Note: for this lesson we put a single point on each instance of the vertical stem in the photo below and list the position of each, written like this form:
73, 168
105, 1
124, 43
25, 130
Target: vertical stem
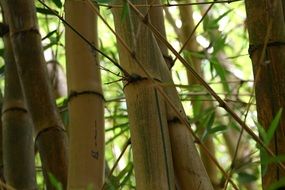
86, 101
146, 109
266, 30
31, 67
18, 144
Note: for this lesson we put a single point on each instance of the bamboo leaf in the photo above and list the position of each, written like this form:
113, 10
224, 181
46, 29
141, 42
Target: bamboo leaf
129, 174
125, 11
55, 182
222, 16
221, 73
104, 1
273, 126
275, 159
261, 131
2, 70
125, 171
46, 11
58, 3
244, 177
218, 128
2, 52
49, 34
49, 45
277, 185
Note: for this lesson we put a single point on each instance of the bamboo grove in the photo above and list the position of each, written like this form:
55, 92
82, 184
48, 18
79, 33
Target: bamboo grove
142, 94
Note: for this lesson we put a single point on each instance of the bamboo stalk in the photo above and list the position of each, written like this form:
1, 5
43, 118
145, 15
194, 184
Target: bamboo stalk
192, 46
266, 28
149, 132
31, 67
18, 145
187, 159
86, 101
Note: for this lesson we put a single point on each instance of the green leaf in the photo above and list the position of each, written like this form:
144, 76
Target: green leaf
125, 11
221, 73
2, 70
103, 1
129, 174
222, 15
210, 120
209, 24
2, 52
273, 126
219, 42
119, 126
277, 185
261, 131
244, 177
264, 159
46, 11
112, 184
49, 34
208, 123
49, 45
213, 24
55, 182
197, 105
275, 159
218, 128
117, 135
58, 3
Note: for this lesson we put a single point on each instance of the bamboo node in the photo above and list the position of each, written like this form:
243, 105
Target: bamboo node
56, 128
252, 48
25, 30
173, 120
15, 109
74, 94
132, 78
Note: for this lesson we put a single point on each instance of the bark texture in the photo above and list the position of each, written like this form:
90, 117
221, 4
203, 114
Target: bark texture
148, 123
18, 144
189, 170
86, 101
266, 28
31, 67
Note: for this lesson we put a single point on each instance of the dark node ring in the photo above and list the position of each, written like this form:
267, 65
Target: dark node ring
132, 78
56, 128
174, 120
252, 48
74, 94
136, 78
25, 31
19, 109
